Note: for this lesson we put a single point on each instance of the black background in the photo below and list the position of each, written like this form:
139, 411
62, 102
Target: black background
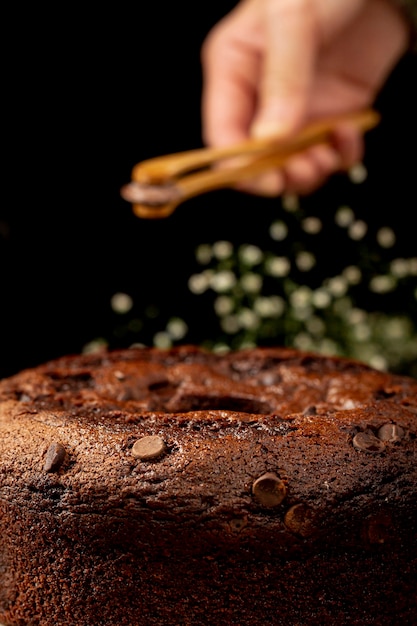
89, 94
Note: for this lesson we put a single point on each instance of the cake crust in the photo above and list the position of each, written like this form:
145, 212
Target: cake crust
179, 486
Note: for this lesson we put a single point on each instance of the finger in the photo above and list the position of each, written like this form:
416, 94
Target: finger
306, 172
302, 174
288, 66
349, 142
230, 63
269, 184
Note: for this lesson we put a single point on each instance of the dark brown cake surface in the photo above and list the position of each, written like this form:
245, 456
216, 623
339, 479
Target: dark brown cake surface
184, 487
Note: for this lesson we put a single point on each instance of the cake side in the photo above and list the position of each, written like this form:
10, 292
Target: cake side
218, 486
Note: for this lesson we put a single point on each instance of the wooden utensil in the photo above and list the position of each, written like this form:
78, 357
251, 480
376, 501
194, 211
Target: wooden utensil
160, 184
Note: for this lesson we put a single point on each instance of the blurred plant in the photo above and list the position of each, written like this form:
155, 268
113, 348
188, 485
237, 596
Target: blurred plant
260, 297
301, 292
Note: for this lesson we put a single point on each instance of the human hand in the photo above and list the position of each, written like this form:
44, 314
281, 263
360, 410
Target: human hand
271, 66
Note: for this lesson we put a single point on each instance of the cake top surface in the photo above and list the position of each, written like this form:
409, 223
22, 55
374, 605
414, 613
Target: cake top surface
260, 381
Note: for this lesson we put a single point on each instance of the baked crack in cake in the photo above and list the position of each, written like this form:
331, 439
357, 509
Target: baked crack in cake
184, 487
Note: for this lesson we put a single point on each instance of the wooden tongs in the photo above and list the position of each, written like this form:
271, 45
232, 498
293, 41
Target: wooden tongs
158, 185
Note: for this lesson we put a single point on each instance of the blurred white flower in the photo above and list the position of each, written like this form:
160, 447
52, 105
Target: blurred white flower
204, 253
356, 316
301, 297
303, 341
290, 202
305, 261
312, 225
382, 284
361, 331
278, 266
357, 230
223, 305
328, 346
337, 286
222, 281
342, 306
378, 361
248, 319
222, 250
251, 255
399, 267
251, 283
121, 303
246, 343
278, 230
353, 274
177, 328
396, 328
321, 298
95, 346
221, 348
412, 264
315, 326
344, 216
272, 306
162, 340
358, 173
199, 283
302, 313
385, 237
230, 324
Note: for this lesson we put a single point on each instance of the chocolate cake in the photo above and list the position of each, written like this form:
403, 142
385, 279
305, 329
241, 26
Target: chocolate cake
184, 487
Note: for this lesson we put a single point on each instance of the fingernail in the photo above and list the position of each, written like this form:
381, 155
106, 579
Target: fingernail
264, 129
278, 119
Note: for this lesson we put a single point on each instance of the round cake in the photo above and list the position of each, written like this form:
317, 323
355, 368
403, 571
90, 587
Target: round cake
184, 487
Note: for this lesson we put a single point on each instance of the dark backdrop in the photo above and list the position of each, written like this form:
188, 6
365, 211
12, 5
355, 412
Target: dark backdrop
87, 96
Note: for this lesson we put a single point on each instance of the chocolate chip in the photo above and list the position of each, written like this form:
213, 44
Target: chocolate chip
149, 448
368, 442
55, 457
379, 529
390, 432
299, 519
310, 410
269, 490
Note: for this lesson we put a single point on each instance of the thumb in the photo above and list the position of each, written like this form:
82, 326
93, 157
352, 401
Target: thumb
289, 58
